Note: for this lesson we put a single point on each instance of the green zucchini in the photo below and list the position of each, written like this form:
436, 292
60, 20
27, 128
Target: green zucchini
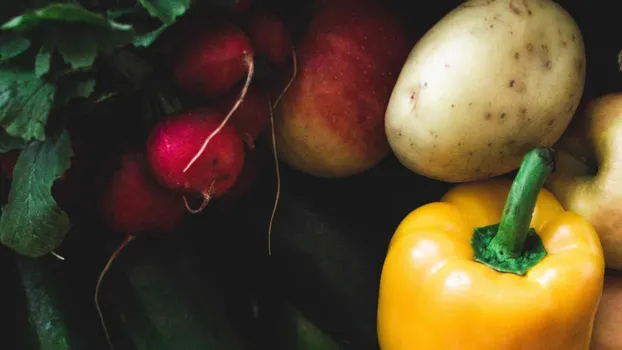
161, 303
329, 241
48, 318
290, 329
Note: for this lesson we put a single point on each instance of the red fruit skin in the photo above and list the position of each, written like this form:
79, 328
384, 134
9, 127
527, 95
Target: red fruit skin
242, 6
245, 181
175, 141
320, 4
7, 163
213, 61
133, 202
269, 36
330, 122
251, 117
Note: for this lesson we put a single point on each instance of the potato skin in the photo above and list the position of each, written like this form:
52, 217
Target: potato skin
491, 80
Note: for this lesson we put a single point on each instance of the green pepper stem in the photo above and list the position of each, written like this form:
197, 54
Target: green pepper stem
514, 226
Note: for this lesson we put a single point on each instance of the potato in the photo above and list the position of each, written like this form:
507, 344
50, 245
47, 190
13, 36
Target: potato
488, 82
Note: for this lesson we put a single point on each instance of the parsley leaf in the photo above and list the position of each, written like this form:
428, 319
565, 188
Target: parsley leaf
32, 223
25, 103
78, 34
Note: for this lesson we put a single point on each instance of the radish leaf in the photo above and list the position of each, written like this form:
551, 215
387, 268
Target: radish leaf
78, 34
166, 11
12, 46
9, 143
77, 89
32, 223
25, 103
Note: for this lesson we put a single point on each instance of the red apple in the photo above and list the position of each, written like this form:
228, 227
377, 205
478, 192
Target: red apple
330, 123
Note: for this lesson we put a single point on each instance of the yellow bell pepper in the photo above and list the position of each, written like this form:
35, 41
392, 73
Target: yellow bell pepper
494, 265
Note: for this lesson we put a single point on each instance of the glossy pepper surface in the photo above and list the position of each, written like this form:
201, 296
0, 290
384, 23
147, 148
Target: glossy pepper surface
494, 264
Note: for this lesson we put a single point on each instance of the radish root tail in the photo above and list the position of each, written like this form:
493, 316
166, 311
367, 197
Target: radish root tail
291, 80
206, 199
249, 77
113, 257
278, 180
59, 257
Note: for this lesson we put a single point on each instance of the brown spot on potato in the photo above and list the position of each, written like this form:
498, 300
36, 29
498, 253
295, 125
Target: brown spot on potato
459, 144
433, 134
545, 48
564, 43
399, 134
548, 65
491, 26
512, 83
452, 106
502, 116
574, 38
550, 122
489, 144
522, 110
470, 103
488, 116
516, 55
514, 8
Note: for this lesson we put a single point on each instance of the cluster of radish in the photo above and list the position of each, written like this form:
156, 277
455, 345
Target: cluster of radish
204, 152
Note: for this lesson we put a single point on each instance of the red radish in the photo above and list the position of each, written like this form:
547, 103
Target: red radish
7, 163
133, 203
174, 141
246, 179
242, 5
269, 36
210, 64
251, 117
213, 60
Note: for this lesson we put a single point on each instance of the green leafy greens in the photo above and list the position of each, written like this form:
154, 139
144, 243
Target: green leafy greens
32, 223
51, 53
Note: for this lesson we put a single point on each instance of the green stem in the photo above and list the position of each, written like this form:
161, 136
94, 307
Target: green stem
518, 211
512, 245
